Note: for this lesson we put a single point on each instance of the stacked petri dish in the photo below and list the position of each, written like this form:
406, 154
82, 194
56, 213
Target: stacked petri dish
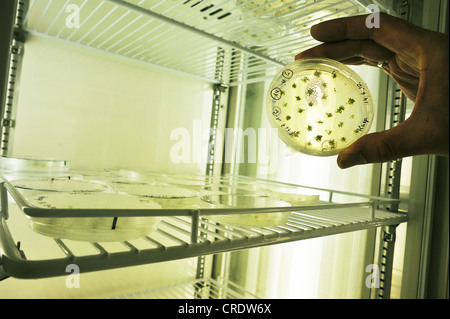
82, 195
239, 217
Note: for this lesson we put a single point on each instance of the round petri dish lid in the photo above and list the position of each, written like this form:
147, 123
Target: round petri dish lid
32, 164
267, 9
244, 201
156, 191
184, 182
91, 201
59, 185
319, 106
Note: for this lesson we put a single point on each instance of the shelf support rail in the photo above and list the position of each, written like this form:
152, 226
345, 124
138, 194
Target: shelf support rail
195, 218
386, 262
3, 201
8, 105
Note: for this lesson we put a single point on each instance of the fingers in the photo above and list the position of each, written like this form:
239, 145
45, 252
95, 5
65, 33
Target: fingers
412, 137
394, 33
372, 148
350, 28
348, 49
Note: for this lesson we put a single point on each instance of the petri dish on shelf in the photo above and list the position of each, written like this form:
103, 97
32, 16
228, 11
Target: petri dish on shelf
59, 185
19, 164
25, 174
295, 199
248, 201
93, 228
319, 106
266, 9
155, 191
166, 196
195, 185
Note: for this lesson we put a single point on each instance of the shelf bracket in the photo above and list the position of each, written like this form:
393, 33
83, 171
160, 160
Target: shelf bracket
218, 116
3, 201
195, 218
386, 261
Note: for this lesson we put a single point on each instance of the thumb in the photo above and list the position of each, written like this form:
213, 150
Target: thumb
379, 147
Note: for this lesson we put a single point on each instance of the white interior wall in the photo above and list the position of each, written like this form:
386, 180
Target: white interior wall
101, 111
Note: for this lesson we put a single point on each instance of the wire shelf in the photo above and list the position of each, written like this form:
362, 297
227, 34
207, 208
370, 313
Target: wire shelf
182, 233
228, 42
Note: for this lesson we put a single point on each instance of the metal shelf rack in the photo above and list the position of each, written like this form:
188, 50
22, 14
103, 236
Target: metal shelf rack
228, 41
182, 233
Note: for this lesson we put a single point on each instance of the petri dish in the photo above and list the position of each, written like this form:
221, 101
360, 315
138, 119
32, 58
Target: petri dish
93, 228
32, 186
166, 196
32, 164
248, 201
319, 106
155, 191
295, 199
266, 9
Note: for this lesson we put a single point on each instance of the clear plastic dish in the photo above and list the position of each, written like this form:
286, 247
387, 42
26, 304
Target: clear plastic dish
166, 196
319, 106
155, 191
18, 164
58, 184
92, 228
266, 9
294, 199
247, 201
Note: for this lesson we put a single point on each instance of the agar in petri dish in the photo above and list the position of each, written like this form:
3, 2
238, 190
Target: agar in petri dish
247, 201
156, 191
75, 200
265, 8
319, 106
93, 228
52, 184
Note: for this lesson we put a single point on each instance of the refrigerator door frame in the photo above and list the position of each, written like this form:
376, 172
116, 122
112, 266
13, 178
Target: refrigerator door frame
427, 203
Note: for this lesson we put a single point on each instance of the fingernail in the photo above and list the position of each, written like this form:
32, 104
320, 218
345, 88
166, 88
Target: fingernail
349, 160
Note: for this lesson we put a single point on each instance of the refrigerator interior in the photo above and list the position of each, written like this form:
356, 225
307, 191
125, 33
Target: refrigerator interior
139, 86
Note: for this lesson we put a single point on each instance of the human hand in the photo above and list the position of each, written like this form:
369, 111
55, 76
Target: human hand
417, 59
